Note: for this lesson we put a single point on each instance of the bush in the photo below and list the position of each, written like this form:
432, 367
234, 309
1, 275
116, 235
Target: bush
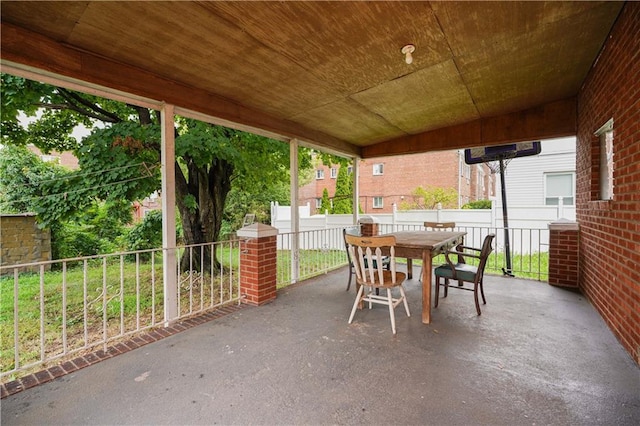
479, 204
71, 240
146, 234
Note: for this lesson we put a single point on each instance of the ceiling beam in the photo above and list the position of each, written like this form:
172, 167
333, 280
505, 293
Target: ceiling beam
552, 120
23, 48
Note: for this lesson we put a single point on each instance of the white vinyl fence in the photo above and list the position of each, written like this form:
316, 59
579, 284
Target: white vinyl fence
528, 225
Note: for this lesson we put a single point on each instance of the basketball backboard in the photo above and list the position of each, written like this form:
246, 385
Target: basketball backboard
495, 153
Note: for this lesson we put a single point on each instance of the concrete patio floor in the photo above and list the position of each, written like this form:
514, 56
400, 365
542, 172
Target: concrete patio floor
537, 355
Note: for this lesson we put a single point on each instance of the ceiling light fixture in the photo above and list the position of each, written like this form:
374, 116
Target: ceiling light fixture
407, 51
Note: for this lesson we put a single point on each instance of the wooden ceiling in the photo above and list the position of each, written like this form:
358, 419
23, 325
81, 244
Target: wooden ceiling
330, 74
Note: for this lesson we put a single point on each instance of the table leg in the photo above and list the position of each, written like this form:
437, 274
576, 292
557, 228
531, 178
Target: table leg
409, 268
426, 286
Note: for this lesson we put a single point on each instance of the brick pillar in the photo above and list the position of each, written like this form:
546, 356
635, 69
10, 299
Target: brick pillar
368, 226
563, 253
258, 263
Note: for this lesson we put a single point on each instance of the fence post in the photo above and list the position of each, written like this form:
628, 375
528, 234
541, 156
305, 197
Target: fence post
258, 263
563, 253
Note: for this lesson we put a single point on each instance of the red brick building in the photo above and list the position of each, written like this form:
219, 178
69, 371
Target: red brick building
386, 181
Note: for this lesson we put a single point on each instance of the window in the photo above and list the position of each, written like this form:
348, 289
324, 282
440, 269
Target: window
318, 203
378, 203
378, 169
334, 173
605, 135
319, 174
50, 158
559, 185
466, 171
349, 170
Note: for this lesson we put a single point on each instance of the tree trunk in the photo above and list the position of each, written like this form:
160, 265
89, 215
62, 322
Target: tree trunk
202, 221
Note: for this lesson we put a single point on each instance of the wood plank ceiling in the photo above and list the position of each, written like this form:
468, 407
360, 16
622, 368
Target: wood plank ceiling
331, 73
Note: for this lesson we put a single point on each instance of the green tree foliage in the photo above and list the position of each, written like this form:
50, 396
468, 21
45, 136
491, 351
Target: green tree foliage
478, 204
147, 234
343, 198
325, 204
25, 180
428, 198
120, 159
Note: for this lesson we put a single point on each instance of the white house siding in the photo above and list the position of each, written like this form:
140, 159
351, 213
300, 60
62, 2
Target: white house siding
524, 177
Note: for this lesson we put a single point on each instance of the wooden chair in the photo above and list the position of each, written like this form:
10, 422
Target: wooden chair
367, 254
355, 230
438, 226
463, 272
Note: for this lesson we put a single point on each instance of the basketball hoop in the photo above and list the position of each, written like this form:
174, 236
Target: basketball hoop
494, 164
497, 158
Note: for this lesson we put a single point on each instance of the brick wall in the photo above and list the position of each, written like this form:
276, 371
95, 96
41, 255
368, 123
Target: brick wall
610, 230
21, 241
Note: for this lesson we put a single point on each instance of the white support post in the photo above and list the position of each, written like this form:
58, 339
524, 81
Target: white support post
169, 263
295, 222
356, 190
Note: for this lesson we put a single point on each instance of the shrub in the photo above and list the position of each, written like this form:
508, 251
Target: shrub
479, 204
146, 234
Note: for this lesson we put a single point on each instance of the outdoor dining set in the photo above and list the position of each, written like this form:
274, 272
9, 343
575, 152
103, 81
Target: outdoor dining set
372, 260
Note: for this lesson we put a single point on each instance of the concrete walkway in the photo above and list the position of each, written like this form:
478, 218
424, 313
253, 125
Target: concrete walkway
538, 355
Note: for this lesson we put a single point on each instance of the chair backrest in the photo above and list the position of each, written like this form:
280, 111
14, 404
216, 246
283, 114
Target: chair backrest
368, 253
353, 230
440, 226
486, 250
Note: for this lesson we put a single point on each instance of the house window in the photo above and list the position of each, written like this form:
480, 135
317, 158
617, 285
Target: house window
378, 203
50, 158
318, 203
334, 173
349, 170
559, 185
605, 135
378, 169
319, 174
466, 171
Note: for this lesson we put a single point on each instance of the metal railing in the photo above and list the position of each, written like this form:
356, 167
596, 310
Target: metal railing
321, 251
51, 310
56, 309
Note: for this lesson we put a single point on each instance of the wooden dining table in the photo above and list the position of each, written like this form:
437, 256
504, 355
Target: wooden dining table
425, 245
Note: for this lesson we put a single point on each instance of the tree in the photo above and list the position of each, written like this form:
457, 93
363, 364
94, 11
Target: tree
120, 159
428, 198
325, 204
342, 200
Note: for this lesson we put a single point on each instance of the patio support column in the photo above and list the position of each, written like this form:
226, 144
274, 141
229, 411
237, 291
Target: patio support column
356, 189
169, 264
295, 222
563, 253
258, 263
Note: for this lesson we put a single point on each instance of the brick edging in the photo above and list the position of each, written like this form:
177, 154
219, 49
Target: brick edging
154, 335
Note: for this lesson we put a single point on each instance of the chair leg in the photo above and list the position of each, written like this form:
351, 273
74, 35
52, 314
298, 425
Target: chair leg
350, 277
391, 311
446, 287
355, 304
437, 291
475, 296
404, 299
484, 301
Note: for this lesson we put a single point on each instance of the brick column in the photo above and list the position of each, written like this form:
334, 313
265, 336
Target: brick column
563, 253
368, 226
258, 263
